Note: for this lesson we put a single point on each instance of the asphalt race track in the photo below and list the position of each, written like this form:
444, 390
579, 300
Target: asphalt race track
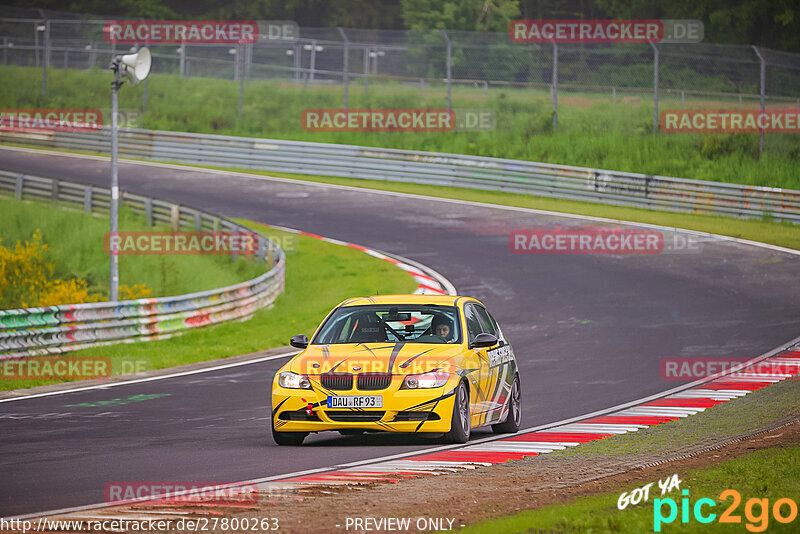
589, 332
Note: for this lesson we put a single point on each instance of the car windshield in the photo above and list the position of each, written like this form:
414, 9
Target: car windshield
426, 323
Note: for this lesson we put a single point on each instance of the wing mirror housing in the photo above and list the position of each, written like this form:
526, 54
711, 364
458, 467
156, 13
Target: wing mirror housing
483, 340
300, 341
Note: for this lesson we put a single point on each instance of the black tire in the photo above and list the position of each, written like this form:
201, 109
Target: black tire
514, 418
460, 426
288, 438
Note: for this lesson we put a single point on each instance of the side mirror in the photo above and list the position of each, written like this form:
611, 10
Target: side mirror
483, 340
300, 341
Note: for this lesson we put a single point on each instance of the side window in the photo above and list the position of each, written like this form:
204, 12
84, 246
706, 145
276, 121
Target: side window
487, 323
473, 323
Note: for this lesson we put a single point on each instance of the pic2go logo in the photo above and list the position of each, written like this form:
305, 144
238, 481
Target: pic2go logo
756, 511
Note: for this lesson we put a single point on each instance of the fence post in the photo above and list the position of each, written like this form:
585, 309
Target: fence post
613, 95
144, 95
345, 67
46, 58
18, 186
175, 217
36, 44
421, 89
182, 67
148, 211
297, 62
262, 248
198, 222
655, 87
486, 88
554, 86
87, 199
366, 69
313, 61
763, 92
54, 190
449, 67
240, 70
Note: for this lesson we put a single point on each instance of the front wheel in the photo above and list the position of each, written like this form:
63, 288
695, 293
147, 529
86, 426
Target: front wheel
460, 427
514, 419
288, 438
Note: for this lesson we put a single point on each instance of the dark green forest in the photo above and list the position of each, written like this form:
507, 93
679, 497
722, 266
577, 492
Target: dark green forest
769, 23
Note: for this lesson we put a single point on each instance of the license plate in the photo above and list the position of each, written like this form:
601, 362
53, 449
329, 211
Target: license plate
355, 401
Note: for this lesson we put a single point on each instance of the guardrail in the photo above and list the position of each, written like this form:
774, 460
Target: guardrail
56, 329
542, 179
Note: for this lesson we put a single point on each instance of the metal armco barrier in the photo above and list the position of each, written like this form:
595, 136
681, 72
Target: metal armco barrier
56, 329
495, 174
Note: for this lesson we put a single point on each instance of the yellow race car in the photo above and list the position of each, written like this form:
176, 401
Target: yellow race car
399, 363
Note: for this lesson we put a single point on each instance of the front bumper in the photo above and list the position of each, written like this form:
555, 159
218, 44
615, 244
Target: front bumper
404, 410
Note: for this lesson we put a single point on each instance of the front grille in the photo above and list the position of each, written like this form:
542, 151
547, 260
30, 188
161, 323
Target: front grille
416, 416
337, 381
373, 381
344, 416
298, 415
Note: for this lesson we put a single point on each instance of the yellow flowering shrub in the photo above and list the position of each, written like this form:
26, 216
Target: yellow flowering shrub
26, 279
136, 291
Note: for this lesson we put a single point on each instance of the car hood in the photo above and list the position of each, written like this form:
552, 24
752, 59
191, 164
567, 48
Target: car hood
395, 358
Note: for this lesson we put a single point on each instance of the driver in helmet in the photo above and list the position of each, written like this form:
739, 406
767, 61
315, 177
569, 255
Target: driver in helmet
442, 326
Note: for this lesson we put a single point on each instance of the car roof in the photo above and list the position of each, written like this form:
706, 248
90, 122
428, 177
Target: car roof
441, 300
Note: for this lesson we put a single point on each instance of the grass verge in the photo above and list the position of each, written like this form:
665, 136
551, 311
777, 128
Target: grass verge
592, 131
75, 243
768, 475
765, 474
319, 275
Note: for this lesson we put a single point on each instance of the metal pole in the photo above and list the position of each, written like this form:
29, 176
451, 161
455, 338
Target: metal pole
114, 271
366, 69
655, 88
313, 58
182, 67
555, 86
449, 67
144, 95
763, 92
46, 58
36, 42
298, 51
240, 61
345, 68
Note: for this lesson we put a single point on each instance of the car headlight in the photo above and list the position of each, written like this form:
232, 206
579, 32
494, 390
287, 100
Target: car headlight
292, 380
433, 379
